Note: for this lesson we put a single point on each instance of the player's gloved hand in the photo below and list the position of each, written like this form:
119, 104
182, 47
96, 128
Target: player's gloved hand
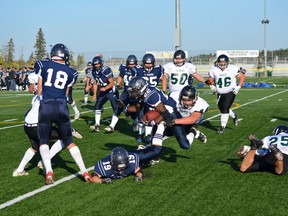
138, 178
170, 122
213, 88
236, 89
81, 81
255, 142
208, 82
106, 181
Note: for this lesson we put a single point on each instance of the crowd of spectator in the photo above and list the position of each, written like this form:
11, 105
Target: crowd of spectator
12, 79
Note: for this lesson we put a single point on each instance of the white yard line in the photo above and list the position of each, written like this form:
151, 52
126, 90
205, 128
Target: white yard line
46, 187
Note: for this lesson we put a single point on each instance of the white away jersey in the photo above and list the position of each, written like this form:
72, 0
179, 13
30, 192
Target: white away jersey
280, 140
31, 116
33, 78
200, 106
178, 76
225, 80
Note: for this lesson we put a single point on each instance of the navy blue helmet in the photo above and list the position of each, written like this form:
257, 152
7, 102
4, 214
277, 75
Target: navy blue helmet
137, 87
60, 52
131, 59
119, 158
280, 129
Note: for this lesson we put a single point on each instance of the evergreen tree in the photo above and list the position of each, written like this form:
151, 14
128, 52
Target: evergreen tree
10, 50
80, 62
40, 46
31, 60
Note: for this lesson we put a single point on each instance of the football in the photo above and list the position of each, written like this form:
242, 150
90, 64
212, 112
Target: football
243, 150
150, 116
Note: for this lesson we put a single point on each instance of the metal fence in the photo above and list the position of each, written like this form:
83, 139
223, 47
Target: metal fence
276, 65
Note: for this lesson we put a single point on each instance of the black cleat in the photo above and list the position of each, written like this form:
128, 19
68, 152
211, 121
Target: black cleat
235, 120
221, 130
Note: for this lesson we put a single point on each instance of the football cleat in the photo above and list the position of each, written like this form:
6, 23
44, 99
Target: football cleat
87, 177
76, 134
84, 103
278, 154
235, 120
221, 130
140, 147
202, 137
16, 174
135, 127
109, 129
95, 128
199, 135
148, 139
41, 166
243, 151
154, 161
140, 138
49, 179
77, 116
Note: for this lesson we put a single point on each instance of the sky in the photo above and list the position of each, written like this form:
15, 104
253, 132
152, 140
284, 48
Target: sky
96, 26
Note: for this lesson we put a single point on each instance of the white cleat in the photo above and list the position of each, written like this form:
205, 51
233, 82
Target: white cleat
16, 174
76, 134
77, 116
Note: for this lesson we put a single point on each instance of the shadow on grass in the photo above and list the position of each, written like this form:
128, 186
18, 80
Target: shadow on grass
234, 163
57, 162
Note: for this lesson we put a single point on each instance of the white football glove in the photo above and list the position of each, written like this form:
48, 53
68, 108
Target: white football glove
236, 89
213, 88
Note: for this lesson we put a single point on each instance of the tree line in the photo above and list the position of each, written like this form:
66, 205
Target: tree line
7, 54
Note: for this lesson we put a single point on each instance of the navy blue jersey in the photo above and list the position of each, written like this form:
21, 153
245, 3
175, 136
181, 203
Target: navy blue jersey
153, 96
126, 73
102, 76
104, 168
152, 77
56, 77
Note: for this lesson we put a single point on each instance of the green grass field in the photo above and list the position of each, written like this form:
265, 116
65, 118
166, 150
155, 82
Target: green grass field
204, 180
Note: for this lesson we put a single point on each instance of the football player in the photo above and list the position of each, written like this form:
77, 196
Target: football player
55, 77
225, 75
276, 160
120, 164
151, 97
88, 72
126, 73
103, 87
31, 129
180, 73
153, 74
191, 107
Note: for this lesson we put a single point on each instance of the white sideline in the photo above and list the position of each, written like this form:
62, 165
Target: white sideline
46, 187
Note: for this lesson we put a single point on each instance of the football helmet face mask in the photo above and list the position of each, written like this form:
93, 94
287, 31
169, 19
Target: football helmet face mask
280, 129
148, 61
97, 62
60, 52
131, 61
119, 158
222, 61
188, 97
179, 58
137, 87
